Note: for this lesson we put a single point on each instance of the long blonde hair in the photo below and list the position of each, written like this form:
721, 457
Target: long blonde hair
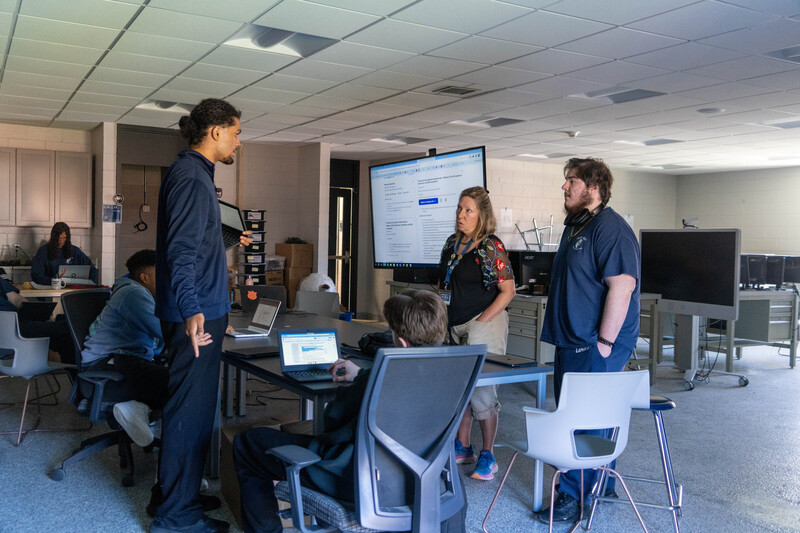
487, 223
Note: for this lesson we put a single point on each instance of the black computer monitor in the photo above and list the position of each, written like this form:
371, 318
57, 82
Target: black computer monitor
791, 269
775, 267
532, 269
756, 270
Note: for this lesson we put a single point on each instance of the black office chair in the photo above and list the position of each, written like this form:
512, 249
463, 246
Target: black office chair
95, 391
406, 474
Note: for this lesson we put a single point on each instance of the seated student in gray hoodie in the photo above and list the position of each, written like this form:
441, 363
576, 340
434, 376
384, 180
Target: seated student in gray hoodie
125, 337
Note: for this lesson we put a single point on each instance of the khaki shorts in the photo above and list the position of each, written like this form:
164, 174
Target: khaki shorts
484, 403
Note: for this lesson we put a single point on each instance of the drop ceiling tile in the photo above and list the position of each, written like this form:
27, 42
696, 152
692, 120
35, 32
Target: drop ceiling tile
64, 32
420, 100
38, 80
28, 101
309, 68
269, 95
359, 55
545, 29
561, 85
157, 46
83, 96
46, 68
20, 113
257, 60
382, 8
551, 108
8, 6
510, 97
398, 35
467, 16
148, 64
299, 110
179, 96
54, 52
501, 76
156, 119
620, 43
619, 12
183, 26
333, 124
102, 87
616, 73
776, 7
315, 19
99, 13
758, 116
725, 91
395, 80
766, 37
210, 88
483, 50
363, 93
383, 110
762, 101
83, 116
435, 67
239, 11
235, 76
125, 77
701, 20
330, 102
84, 107
252, 108
552, 61
743, 68
472, 109
296, 84
783, 81
685, 56
46, 93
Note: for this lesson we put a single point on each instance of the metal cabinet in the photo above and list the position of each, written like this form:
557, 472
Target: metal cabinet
525, 319
8, 165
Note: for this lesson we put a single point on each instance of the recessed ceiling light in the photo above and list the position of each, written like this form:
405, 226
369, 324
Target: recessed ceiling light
617, 95
535, 156
163, 105
263, 38
710, 110
486, 122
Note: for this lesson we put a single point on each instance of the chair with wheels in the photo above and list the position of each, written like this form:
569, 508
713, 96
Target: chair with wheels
28, 358
405, 471
317, 302
95, 391
589, 401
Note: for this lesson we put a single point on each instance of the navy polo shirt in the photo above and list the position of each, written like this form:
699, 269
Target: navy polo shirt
605, 247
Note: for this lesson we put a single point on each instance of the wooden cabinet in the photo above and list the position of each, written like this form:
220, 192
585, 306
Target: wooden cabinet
73, 202
35, 187
53, 186
7, 186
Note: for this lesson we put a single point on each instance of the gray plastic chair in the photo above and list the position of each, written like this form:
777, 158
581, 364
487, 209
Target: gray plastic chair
29, 361
406, 475
317, 302
589, 400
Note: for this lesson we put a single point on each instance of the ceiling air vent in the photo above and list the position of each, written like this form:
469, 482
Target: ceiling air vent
618, 95
454, 90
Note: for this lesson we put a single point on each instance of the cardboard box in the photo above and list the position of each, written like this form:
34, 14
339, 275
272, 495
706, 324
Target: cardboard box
293, 276
297, 255
273, 277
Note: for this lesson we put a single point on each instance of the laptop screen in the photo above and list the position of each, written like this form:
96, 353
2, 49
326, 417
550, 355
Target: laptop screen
230, 216
74, 271
304, 349
265, 314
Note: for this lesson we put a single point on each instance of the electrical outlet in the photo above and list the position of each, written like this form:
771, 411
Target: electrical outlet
145, 208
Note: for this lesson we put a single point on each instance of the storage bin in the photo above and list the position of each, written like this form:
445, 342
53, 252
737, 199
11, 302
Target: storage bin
254, 225
253, 214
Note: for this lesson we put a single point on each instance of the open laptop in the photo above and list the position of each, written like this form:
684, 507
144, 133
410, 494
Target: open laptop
232, 224
262, 322
306, 354
513, 361
252, 294
75, 274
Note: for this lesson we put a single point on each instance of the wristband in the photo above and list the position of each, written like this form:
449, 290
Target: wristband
607, 342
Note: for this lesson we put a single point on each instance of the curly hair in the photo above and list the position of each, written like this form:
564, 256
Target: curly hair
487, 223
52, 244
139, 261
419, 317
593, 172
207, 114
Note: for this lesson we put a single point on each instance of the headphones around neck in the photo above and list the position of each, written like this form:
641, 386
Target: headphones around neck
583, 216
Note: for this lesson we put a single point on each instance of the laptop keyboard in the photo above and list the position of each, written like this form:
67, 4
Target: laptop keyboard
231, 239
314, 372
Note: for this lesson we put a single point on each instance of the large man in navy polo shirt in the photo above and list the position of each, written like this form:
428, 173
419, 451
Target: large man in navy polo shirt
592, 312
192, 303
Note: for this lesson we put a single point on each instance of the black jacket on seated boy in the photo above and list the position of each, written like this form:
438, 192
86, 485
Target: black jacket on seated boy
425, 325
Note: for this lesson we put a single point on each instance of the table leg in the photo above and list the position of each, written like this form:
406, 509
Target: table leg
241, 392
730, 330
227, 390
538, 466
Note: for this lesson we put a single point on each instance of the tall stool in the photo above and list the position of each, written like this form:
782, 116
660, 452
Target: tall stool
658, 404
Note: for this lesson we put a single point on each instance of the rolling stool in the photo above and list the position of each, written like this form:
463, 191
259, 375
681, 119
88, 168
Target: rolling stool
658, 404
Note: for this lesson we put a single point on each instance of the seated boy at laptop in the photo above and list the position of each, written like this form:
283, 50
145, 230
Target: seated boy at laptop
125, 337
57, 331
417, 318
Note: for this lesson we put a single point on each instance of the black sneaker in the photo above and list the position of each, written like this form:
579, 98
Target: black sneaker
209, 503
565, 509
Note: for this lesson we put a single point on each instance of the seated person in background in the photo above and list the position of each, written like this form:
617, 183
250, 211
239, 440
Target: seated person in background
416, 318
57, 331
58, 251
125, 337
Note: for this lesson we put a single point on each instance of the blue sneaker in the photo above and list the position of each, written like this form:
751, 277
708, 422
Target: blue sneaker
486, 467
464, 455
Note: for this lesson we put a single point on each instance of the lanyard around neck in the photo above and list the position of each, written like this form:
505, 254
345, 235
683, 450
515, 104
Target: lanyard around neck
455, 258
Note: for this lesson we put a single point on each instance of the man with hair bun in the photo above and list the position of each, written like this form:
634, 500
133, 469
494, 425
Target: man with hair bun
192, 303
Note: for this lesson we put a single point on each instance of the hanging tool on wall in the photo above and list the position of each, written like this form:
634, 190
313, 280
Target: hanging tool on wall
143, 208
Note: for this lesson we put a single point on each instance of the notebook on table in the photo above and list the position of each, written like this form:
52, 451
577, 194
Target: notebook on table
232, 224
262, 321
306, 354
513, 361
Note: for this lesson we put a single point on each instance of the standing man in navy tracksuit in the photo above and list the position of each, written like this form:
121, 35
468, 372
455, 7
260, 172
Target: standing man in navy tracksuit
192, 303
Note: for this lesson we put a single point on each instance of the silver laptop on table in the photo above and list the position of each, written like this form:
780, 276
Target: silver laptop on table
262, 321
306, 354
75, 274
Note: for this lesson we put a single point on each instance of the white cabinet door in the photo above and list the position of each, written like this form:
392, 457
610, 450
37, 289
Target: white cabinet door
35, 187
7, 186
73, 201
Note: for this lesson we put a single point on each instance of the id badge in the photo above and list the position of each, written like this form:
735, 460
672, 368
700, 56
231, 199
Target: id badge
445, 296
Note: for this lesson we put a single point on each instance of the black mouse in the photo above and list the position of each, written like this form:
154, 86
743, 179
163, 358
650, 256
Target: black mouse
236, 306
341, 371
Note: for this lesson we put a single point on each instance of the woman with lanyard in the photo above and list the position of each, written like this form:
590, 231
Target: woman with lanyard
477, 283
